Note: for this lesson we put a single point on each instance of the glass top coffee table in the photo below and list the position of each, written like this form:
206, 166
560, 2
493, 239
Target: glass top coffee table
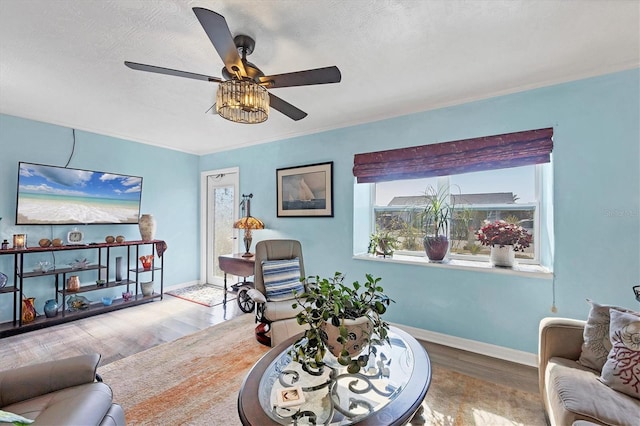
389, 390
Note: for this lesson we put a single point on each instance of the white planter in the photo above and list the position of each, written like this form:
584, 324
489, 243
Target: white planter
147, 225
359, 331
503, 256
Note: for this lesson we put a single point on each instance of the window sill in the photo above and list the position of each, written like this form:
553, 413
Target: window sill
524, 270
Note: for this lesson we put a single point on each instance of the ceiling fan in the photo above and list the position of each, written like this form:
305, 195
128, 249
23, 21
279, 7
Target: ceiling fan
242, 95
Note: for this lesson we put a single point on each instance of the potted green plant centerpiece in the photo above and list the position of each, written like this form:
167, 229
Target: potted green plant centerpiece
435, 218
505, 239
343, 319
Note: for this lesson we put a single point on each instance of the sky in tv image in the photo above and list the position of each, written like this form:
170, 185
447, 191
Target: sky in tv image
57, 195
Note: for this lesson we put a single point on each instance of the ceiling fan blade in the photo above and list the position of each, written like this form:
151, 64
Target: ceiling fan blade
217, 29
303, 78
286, 108
169, 71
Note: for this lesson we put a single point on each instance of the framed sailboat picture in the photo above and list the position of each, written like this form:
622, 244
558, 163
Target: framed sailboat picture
305, 191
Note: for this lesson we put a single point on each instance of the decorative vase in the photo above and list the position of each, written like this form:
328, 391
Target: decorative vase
358, 332
147, 288
118, 269
3, 280
51, 308
147, 225
503, 256
28, 309
147, 262
436, 247
73, 283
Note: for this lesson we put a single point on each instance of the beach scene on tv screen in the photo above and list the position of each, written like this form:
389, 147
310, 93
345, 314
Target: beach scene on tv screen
50, 195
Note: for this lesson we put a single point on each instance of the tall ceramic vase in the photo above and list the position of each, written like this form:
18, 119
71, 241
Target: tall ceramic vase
147, 226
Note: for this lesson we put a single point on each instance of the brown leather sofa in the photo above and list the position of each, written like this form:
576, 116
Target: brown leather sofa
572, 394
61, 392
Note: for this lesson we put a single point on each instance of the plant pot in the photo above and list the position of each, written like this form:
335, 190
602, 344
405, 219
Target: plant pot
436, 247
358, 333
503, 256
385, 247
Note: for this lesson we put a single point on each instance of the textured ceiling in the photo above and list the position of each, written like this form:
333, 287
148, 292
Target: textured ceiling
61, 61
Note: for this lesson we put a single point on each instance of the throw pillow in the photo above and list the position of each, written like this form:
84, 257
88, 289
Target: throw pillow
622, 369
596, 345
281, 277
7, 417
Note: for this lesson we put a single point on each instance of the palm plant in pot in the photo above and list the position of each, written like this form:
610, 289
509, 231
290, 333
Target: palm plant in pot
342, 319
435, 218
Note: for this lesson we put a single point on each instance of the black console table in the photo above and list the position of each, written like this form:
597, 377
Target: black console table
128, 282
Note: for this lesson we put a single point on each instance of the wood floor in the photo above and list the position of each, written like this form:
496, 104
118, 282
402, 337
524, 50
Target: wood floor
121, 333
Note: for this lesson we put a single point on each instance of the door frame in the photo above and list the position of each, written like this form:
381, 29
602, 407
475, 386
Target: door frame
204, 205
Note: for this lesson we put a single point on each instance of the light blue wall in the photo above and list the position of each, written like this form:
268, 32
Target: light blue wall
170, 192
596, 202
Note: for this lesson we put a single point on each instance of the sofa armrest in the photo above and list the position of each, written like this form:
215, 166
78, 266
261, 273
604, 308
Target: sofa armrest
27, 382
558, 337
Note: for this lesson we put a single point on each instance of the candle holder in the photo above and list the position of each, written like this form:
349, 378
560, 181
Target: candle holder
19, 241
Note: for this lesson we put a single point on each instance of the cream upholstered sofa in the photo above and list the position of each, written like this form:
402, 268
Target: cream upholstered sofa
61, 392
572, 394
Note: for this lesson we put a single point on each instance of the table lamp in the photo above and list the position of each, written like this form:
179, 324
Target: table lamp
248, 223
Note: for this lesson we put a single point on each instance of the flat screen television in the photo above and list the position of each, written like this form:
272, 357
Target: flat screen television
51, 195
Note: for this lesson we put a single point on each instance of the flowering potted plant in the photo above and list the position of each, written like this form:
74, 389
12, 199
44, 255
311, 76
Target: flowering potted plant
504, 239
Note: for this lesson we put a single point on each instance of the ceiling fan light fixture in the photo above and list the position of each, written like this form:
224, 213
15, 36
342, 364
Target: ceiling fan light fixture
242, 101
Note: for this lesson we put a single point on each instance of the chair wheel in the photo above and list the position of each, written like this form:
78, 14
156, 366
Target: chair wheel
245, 302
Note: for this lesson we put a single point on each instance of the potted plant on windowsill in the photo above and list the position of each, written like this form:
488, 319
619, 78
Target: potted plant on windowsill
383, 243
435, 218
504, 239
342, 319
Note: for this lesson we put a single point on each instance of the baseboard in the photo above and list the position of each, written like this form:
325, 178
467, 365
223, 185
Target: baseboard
494, 351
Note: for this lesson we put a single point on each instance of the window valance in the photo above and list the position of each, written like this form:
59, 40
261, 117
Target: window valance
456, 157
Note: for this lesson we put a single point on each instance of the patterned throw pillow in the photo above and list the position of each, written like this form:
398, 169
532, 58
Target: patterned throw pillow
596, 344
622, 369
281, 277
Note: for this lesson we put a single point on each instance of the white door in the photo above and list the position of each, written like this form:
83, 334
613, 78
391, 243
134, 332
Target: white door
221, 201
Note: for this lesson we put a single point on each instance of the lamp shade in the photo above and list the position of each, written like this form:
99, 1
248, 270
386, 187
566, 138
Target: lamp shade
242, 101
248, 222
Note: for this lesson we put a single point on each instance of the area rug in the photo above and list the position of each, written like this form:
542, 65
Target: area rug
195, 381
203, 294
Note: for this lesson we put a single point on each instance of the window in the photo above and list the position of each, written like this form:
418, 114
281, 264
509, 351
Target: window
506, 177
509, 194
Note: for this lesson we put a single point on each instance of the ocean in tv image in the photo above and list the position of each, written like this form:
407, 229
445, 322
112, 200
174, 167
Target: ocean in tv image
58, 195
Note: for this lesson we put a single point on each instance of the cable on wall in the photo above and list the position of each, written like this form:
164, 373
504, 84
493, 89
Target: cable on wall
554, 309
73, 148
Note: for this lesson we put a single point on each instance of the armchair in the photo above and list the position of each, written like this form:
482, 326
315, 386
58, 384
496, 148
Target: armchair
273, 307
61, 392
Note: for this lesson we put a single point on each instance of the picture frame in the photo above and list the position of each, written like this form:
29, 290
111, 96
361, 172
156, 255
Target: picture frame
305, 191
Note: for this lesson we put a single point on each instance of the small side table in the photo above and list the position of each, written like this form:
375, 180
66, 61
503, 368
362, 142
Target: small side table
239, 266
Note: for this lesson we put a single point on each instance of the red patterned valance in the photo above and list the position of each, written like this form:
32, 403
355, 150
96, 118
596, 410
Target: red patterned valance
450, 158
